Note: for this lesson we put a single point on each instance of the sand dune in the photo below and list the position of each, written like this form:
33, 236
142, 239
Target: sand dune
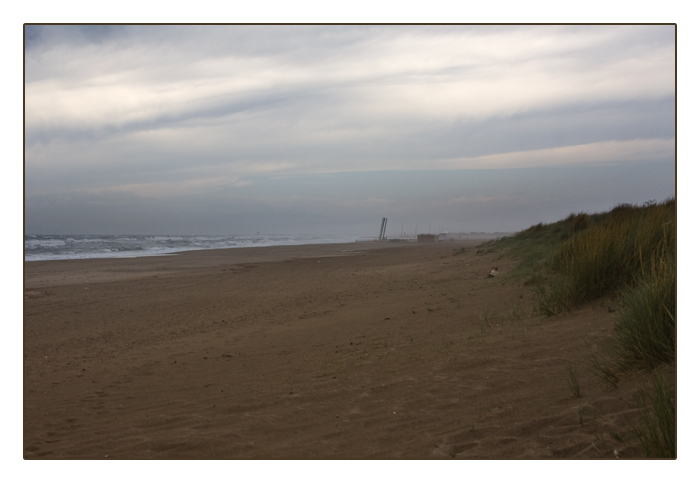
365, 350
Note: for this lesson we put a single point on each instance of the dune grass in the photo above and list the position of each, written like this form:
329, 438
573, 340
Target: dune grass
646, 325
629, 256
658, 418
535, 246
610, 256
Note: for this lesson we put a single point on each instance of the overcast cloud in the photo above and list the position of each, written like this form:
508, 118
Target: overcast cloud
326, 129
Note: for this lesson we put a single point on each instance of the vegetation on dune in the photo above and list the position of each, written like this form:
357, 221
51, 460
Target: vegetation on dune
611, 255
646, 325
658, 417
627, 255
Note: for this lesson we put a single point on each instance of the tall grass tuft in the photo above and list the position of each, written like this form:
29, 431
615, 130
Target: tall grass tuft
609, 256
645, 331
573, 381
658, 419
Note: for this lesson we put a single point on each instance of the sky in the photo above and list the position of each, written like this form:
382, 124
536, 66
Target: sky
325, 129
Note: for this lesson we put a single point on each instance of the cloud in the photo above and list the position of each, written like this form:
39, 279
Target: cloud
142, 78
201, 114
478, 199
586, 154
179, 188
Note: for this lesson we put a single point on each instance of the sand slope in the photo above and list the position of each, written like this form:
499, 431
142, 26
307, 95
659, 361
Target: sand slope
366, 350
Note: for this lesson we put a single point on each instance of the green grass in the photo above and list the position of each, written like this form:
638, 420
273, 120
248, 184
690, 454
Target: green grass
587, 257
608, 257
536, 246
602, 365
573, 381
627, 255
658, 418
646, 325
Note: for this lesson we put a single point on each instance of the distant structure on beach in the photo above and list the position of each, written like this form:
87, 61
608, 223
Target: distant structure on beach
382, 229
433, 238
428, 238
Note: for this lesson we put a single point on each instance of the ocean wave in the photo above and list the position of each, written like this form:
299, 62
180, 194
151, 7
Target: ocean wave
121, 246
34, 243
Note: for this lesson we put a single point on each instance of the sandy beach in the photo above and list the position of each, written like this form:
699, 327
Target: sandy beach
346, 351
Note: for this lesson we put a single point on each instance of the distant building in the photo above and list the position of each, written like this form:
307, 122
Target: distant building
428, 238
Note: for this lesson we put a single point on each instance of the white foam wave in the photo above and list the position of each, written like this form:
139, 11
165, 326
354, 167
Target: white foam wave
35, 243
122, 246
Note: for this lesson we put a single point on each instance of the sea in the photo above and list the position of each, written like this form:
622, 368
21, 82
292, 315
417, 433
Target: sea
67, 247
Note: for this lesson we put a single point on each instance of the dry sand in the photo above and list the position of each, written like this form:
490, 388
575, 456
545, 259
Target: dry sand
363, 350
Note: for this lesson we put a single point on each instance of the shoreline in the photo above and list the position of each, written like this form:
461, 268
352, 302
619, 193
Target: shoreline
116, 250
41, 273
